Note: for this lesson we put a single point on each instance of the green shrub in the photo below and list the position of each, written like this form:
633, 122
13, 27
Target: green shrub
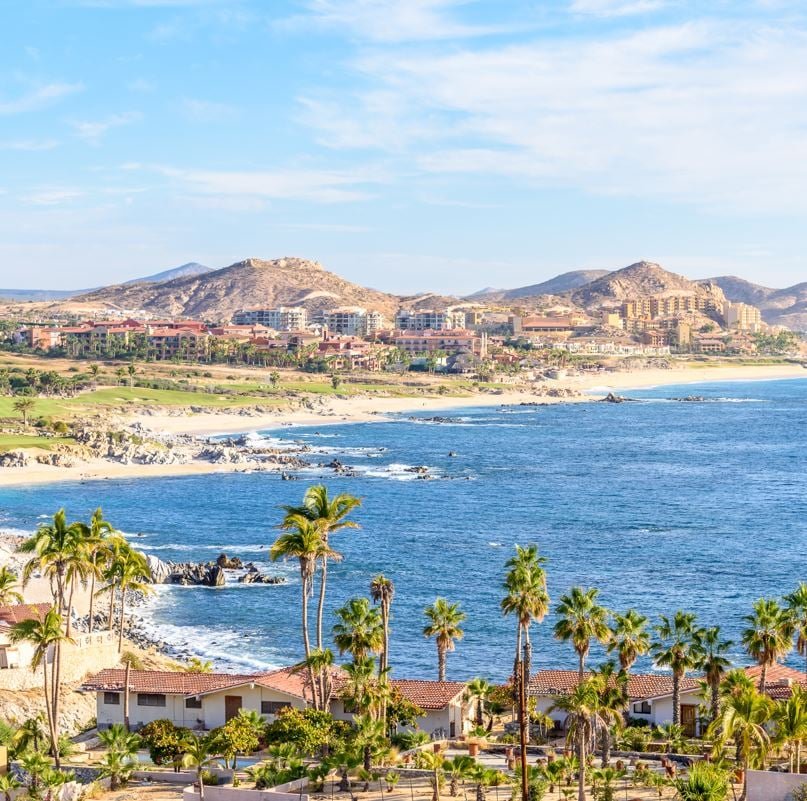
209, 778
165, 741
407, 740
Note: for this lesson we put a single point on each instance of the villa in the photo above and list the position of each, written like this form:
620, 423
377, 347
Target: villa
205, 701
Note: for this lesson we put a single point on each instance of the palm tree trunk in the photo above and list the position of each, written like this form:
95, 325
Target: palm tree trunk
744, 793
304, 580
56, 677
48, 702
763, 678
384, 661
441, 663
715, 702
605, 746
321, 602
92, 602
201, 784
70, 605
581, 667
798, 756
121, 620
581, 766
527, 652
111, 605
676, 699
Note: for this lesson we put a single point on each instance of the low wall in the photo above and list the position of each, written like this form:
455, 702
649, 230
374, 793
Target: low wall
766, 785
240, 794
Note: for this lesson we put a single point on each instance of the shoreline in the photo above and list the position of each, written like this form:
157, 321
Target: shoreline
363, 409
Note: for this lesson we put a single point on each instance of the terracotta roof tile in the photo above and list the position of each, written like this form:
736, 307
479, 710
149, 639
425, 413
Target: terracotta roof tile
429, 694
165, 681
17, 613
640, 685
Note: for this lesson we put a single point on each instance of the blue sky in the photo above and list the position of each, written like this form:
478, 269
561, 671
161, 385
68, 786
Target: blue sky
406, 144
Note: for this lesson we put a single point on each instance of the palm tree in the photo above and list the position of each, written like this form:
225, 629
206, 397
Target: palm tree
45, 634
769, 635
613, 702
434, 762
790, 719
582, 708
678, 650
742, 719
321, 662
119, 761
302, 541
460, 767
527, 598
382, 591
478, 691
581, 620
30, 734
199, 755
797, 605
133, 573
629, 638
197, 665
8, 587
444, 625
8, 784
96, 554
713, 663
359, 630
330, 515
24, 407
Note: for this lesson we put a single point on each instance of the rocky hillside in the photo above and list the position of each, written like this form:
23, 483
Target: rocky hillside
637, 280
191, 268
565, 282
779, 306
248, 284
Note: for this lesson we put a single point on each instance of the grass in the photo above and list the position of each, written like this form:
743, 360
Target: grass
10, 442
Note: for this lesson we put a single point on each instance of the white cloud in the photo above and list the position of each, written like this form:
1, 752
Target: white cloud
616, 8
319, 186
328, 228
94, 131
704, 113
39, 97
52, 197
31, 145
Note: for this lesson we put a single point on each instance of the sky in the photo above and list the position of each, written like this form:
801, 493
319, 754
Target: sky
408, 145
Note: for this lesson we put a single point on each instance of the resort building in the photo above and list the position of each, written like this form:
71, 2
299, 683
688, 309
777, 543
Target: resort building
667, 304
352, 321
204, 701
430, 320
416, 343
283, 318
565, 324
742, 316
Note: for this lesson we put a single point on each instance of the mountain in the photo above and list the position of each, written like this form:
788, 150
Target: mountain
786, 307
565, 282
35, 295
191, 268
252, 283
637, 280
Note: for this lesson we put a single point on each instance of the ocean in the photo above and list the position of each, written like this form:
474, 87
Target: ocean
661, 504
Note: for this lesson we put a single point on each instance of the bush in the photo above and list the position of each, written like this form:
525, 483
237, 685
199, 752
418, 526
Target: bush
165, 741
705, 781
133, 659
209, 779
309, 730
60, 427
407, 740
800, 793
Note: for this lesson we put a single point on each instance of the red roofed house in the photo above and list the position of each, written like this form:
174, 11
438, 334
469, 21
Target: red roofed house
208, 700
15, 655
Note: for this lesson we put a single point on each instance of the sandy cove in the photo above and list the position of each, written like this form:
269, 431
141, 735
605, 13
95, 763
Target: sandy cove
369, 409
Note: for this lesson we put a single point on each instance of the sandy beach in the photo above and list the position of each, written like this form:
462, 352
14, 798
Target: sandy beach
367, 409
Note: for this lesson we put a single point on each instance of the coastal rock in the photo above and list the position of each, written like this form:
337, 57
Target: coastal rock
14, 459
254, 576
55, 459
228, 563
186, 574
611, 398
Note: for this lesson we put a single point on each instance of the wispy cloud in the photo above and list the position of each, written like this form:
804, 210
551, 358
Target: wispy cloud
32, 145
328, 228
616, 8
207, 110
94, 131
39, 97
141, 85
52, 197
318, 186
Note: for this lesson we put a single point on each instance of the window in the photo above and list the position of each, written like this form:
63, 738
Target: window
150, 699
642, 708
273, 707
193, 703
112, 699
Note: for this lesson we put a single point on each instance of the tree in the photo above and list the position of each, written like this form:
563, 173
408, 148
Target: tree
460, 767
274, 379
713, 663
742, 719
24, 406
790, 720
198, 665
302, 541
96, 554
582, 708
8, 784
477, 691
200, 755
769, 635
433, 762
629, 638
581, 620
309, 730
382, 591
119, 760
239, 735
330, 515
704, 781
526, 598
165, 741
797, 605
613, 701
8, 587
676, 649
133, 574
359, 629
44, 634
444, 625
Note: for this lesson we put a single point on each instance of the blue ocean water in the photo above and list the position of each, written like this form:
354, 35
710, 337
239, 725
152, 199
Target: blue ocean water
661, 504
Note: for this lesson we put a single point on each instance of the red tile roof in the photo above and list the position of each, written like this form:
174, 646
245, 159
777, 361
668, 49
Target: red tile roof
9, 615
165, 681
640, 685
429, 694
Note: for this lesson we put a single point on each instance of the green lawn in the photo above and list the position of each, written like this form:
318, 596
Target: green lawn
10, 442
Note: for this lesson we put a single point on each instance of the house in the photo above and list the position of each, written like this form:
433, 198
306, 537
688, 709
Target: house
207, 700
650, 696
17, 655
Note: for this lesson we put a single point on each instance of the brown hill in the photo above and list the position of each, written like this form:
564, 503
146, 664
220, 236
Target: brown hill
778, 306
637, 280
565, 282
247, 284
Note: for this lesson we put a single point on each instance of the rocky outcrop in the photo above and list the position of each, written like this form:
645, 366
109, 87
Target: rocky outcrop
228, 563
206, 574
14, 459
254, 576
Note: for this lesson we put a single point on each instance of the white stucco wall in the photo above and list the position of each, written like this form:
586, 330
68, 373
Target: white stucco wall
766, 785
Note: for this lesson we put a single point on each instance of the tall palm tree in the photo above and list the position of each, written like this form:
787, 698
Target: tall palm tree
382, 591
444, 625
613, 701
133, 575
581, 620
678, 650
526, 598
330, 516
362, 689
629, 638
790, 719
8, 587
478, 691
582, 708
45, 634
769, 636
713, 663
302, 541
321, 662
797, 604
358, 630
96, 554
742, 719
200, 755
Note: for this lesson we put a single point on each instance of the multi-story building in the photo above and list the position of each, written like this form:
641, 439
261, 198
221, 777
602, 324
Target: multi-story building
183, 343
430, 320
352, 321
544, 325
283, 318
667, 304
742, 316
454, 341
